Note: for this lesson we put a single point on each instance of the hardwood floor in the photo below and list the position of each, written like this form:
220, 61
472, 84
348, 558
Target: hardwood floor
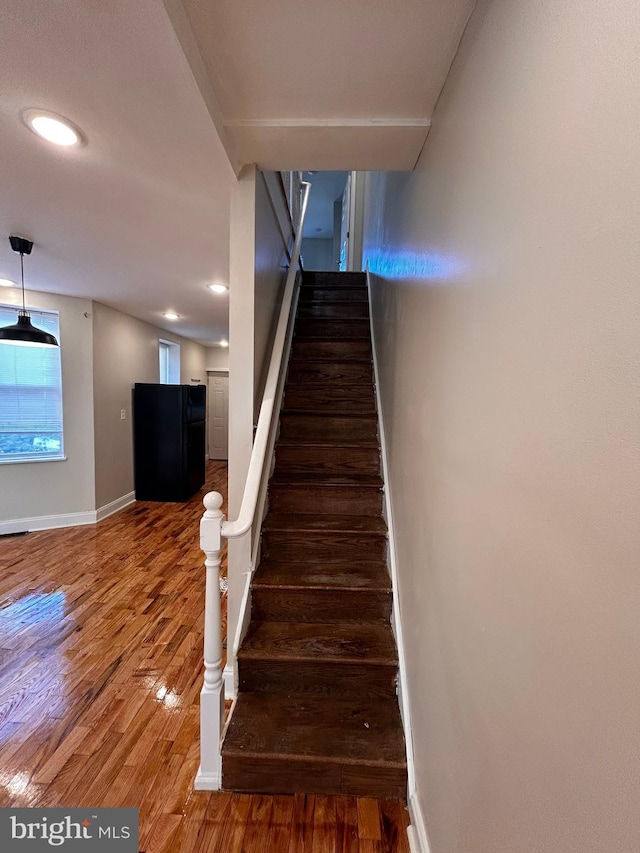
100, 674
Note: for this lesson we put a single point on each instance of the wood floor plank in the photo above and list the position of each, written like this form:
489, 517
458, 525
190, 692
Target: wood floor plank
368, 819
301, 840
324, 823
236, 824
258, 822
346, 829
279, 830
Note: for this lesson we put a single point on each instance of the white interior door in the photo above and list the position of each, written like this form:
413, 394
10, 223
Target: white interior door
218, 416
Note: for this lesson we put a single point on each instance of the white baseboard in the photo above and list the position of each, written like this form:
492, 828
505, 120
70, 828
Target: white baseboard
69, 519
47, 522
115, 506
417, 830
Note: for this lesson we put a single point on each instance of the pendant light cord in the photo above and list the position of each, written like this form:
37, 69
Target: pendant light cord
24, 309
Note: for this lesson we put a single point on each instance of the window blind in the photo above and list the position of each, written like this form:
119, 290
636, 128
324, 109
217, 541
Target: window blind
30, 394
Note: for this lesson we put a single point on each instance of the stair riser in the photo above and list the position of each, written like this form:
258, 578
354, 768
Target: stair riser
312, 293
351, 500
339, 460
357, 400
322, 547
337, 311
329, 373
276, 776
320, 605
302, 678
312, 428
334, 279
331, 329
332, 350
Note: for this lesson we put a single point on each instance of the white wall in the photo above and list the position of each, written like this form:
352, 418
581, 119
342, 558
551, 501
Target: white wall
506, 308
317, 253
37, 489
241, 377
126, 352
271, 264
256, 279
217, 358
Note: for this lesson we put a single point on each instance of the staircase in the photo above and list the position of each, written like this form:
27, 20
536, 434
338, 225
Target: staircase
317, 710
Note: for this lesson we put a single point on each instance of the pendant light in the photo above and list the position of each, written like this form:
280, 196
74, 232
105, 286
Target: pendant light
23, 332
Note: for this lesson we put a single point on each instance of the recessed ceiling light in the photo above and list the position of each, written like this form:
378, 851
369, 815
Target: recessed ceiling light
53, 128
218, 288
223, 343
6, 282
171, 315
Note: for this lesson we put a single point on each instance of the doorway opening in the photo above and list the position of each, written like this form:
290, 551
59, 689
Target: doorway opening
332, 235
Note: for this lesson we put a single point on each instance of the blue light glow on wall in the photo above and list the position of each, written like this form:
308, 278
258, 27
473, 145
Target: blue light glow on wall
430, 266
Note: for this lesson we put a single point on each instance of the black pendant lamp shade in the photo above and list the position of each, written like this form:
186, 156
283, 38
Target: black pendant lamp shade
24, 332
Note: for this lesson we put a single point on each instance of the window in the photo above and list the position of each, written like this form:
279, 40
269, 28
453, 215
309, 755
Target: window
169, 354
30, 394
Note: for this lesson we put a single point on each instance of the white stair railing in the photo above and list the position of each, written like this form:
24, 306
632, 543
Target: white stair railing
213, 527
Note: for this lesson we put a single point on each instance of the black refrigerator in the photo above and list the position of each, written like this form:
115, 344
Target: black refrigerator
168, 440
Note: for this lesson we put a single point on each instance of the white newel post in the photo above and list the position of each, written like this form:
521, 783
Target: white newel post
212, 694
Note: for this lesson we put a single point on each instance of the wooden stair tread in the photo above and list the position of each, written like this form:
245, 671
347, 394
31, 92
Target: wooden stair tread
356, 576
320, 642
327, 523
323, 328
320, 727
299, 396
333, 302
300, 360
330, 278
329, 415
336, 412
373, 481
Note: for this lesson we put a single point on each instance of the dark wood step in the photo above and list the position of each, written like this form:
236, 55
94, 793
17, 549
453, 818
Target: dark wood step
319, 293
312, 656
355, 399
284, 744
324, 545
334, 310
343, 350
331, 644
300, 494
331, 329
329, 373
327, 429
321, 592
334, 279
317, 678
320, 459
292, 522
358, 575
